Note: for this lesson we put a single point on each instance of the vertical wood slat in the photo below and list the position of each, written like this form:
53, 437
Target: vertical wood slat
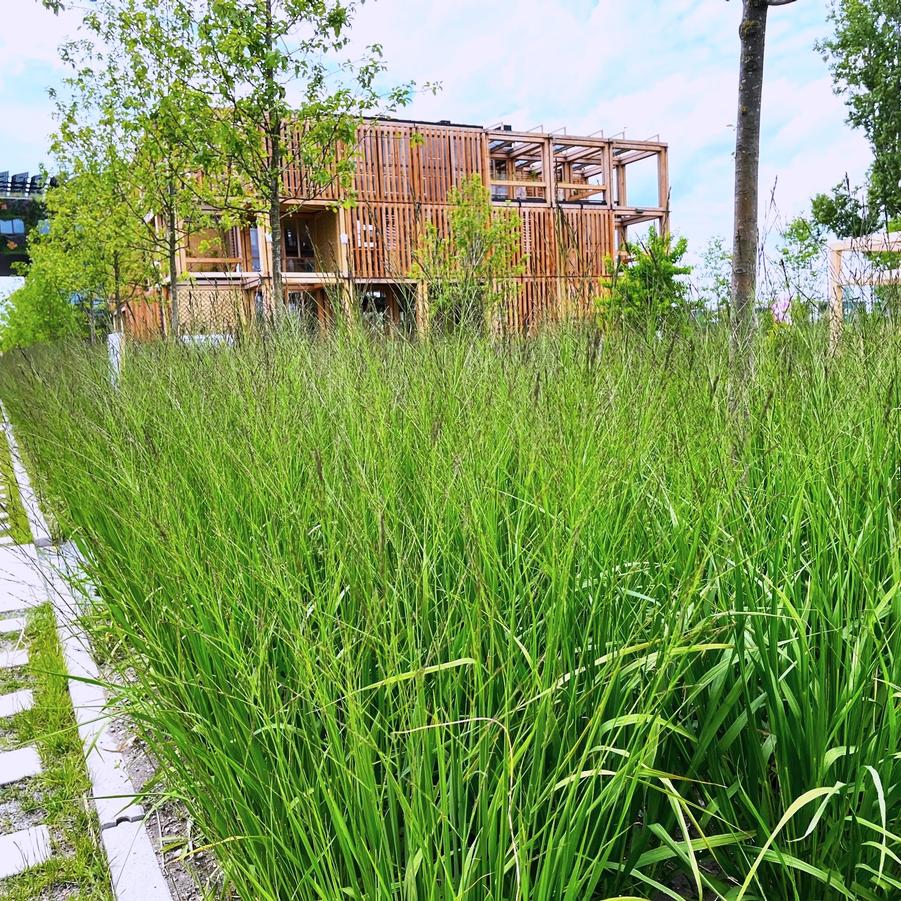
403, 173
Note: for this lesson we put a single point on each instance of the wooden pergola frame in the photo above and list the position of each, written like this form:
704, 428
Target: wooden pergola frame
876, 243
561, 167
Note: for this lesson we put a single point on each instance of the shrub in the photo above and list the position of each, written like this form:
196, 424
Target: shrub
648, 291
469, 273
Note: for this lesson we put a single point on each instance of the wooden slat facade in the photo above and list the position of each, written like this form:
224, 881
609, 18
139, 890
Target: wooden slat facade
574, 220
571, 194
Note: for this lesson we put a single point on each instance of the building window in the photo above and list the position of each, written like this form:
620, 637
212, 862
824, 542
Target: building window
375, 308
299, 251
12, 226
365, 235
255, 250
214, 243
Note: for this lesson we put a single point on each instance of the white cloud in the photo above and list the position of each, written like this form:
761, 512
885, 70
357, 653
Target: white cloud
25, 127
32, 34
664, 67
29, 42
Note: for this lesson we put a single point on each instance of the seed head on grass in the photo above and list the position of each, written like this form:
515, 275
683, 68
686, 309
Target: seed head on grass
462, 619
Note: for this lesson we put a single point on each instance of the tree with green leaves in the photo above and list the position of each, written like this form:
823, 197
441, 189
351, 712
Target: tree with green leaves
135, 106
86, 256
802, 248
470, 274
286, 97
715, 271
864, 56
649, 291
38, 312
846, 211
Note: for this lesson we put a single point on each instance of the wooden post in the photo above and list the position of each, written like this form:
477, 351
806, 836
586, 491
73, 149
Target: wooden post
623, 200
549, 173
836, 299
610, 194
622, 191
422, 308
663, 189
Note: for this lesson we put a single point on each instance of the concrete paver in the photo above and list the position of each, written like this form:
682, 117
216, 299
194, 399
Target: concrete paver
24, 849
16, 702
31, 575
13, 624
12, 659
19, 764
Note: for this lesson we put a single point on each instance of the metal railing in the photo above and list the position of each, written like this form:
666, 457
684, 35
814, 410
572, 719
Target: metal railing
21, 185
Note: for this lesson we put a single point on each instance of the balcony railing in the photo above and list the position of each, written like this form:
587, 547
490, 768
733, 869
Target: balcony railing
20, 185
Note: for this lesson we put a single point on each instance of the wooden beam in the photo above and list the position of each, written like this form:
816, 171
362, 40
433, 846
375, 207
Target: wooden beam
582, 186
878, 243
518, 182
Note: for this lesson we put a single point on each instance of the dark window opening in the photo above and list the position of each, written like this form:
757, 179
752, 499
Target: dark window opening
255, 250
304, 308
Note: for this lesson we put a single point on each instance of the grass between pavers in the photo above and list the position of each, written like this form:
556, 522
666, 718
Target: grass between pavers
10, 680
78, 870
15, 512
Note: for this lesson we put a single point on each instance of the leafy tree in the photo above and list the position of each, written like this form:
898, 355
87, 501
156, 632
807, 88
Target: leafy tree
864, 56
802, 248
469, 275
287, 98
649, 291
86, 258
136, 109
845, 212
38, 311
716, 275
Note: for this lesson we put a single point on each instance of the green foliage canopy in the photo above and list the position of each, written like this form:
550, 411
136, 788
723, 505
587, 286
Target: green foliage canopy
648, 291
89, 255
864, 56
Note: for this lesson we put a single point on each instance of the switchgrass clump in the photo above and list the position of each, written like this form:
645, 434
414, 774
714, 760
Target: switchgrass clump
463, 619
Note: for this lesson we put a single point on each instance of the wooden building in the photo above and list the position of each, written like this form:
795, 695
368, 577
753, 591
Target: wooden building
21, 211
574, 196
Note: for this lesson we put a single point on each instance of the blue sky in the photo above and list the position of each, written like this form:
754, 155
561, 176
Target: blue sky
651, 67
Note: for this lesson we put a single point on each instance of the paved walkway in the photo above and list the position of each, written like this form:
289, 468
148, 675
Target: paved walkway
31, 575
6, 537
21, 587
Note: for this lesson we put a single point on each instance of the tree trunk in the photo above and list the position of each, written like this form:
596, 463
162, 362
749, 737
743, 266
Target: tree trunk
274, 180
275, 223
172, 248
747, 166
117, 292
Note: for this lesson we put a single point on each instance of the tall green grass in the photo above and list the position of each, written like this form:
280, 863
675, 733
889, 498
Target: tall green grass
471, 620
